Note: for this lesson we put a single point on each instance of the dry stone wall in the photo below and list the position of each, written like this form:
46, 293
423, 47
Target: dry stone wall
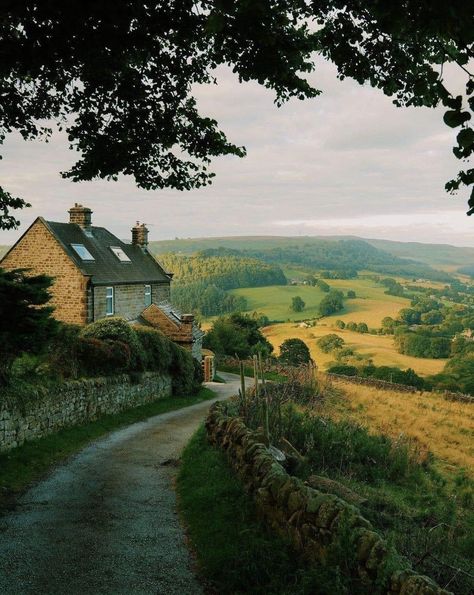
315, 523
77, 402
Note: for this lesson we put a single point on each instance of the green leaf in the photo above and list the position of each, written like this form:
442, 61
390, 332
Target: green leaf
466, 137
454, 118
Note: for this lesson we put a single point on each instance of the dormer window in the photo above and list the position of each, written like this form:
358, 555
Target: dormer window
82, 252
120, 254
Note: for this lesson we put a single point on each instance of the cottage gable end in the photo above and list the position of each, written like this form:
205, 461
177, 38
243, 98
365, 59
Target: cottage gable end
41, 253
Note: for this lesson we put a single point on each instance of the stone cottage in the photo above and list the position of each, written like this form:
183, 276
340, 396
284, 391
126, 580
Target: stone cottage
97, 275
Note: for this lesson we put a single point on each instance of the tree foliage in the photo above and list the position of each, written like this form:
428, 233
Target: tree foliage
237, 335
331, 303
294, 352
26, 323
224, 271
330, 342
297, 304
119, 77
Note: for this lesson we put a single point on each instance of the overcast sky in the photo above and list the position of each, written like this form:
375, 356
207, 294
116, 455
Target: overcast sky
347, 162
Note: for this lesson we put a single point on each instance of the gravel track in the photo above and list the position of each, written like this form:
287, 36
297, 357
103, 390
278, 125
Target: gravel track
106, 520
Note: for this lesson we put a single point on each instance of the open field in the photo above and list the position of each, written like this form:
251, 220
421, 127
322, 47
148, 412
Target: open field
445, 428
378, 347
275, 300
370, 306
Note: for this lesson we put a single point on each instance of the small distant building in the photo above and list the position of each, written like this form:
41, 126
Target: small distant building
96, 275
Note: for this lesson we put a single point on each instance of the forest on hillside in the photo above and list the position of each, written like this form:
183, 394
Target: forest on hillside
201, 281
348, 255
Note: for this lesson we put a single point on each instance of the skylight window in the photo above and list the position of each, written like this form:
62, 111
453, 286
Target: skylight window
120, 254
82, 252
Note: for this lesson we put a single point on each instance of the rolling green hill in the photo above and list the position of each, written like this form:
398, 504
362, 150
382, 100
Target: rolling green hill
432, 254
313, 253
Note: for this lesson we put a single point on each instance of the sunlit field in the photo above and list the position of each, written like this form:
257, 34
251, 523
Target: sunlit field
378, 347
371, 304
446, 428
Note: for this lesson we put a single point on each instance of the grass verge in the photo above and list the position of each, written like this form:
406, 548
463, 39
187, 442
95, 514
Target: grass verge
27, 463
235, 552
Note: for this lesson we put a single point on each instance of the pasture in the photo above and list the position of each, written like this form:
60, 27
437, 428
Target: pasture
371, 304
379, 348
433, 424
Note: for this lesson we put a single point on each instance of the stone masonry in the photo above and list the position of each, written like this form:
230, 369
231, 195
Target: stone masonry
41, 253
129, 300
77, 402
312, 521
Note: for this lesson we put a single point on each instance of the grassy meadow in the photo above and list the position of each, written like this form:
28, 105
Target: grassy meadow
434, 424
379, 348
371, 304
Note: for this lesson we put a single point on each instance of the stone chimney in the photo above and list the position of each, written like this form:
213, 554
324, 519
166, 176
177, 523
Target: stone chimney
140, 235
187, 323
81, 215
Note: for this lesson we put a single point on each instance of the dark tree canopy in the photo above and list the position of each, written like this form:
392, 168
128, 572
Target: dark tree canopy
25, 319
294, 352
118, 76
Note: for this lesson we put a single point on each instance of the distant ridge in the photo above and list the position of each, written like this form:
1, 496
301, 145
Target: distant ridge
436, 255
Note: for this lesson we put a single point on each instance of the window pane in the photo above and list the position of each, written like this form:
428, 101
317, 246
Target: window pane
109, 301
120, 254
82, 252
147, 295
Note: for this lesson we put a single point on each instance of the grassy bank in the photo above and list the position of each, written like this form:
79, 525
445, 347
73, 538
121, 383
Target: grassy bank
444, 428
26, 464
235, 553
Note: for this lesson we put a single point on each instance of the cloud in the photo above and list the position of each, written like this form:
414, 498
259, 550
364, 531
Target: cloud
347, 160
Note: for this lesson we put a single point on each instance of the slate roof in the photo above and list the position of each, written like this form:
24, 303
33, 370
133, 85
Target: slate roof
106, 268
175, 315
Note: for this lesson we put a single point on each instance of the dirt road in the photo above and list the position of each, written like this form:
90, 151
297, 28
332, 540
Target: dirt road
106, 521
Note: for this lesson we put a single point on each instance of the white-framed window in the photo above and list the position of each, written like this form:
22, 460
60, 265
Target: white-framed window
147, 295
109, 301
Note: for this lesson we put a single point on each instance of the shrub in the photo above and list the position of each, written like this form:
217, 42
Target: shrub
117, 329
340, 324
156, 348
182, 370
343, 369
62, 351
330, 342
362, 328
351, 326
96, 356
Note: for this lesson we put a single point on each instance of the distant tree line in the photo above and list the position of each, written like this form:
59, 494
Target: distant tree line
336, 258
201, 282
208, 300
226, 272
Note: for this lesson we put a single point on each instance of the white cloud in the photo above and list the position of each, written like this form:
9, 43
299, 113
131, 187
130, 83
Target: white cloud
345, 162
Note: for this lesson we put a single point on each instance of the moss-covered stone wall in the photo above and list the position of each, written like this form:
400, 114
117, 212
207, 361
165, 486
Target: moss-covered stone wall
318, 525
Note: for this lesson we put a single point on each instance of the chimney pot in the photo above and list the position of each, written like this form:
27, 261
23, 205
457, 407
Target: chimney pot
80, 215
140, 235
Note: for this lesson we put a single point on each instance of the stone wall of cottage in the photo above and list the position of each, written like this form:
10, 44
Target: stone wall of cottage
76, 402
129, 299
40, 252
312, 521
